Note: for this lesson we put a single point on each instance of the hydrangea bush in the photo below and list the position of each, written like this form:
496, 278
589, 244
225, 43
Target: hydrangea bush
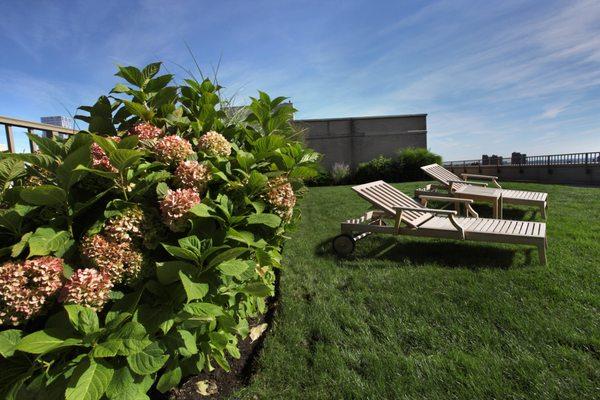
140, 251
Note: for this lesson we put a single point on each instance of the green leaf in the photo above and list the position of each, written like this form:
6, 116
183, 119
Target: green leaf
130, 339
161, 190
46, 145
201, 210
258, 289
203, 310
148, 361
44, 195
256, 181
180, 252
126, 386
46, 240
270, 220
151, 69
83, 319
9, 340
44, 341
131, 75
10, 169
169, 379
124, 158
67, 173
89, 380
193, 290
227, 255
168, 272
232, 267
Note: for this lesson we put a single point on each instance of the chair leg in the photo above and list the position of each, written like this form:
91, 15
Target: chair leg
543, 209
542, 253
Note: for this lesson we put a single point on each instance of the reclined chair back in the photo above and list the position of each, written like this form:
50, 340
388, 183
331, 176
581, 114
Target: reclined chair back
385, 197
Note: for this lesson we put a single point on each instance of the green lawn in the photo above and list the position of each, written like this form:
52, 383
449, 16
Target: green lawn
424, 318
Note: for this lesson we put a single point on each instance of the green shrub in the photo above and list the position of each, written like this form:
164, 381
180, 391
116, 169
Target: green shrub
139, 252
381, 167
410, 161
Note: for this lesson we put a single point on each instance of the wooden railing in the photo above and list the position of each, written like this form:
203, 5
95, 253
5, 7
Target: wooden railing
32, 127
590, 158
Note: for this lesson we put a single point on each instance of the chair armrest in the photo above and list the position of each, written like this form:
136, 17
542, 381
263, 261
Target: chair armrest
493, 179
443, 198
469, 183
426, 210
489, 177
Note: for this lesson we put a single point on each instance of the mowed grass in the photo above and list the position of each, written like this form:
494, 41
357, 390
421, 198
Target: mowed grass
411, 318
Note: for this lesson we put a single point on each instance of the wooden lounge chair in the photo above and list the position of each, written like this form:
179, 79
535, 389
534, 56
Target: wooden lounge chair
462, 187
413, 219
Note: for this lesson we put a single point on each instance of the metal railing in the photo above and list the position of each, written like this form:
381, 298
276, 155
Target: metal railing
591, 158
32, 127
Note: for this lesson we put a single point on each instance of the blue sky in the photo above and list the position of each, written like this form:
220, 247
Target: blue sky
494, 77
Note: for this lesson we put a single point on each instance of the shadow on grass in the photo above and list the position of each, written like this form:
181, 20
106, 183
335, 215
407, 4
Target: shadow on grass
417, 252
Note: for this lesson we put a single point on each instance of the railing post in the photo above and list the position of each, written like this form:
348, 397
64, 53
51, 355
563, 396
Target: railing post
548, 161
32, 146
10, 140
586, 158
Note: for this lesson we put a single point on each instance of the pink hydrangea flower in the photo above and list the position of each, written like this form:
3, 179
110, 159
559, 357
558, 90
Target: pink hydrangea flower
281, 196
87, 287
27, 288
119, 260
214, 144
172, 149
175, 206
100, 159
192, 175
145, 131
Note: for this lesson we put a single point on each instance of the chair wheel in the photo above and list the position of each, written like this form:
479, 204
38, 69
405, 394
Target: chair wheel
343, 244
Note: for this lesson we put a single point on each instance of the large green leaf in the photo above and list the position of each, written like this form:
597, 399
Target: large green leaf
46, 145
148, 361
180, 252
46, 240
44, 195
10, 169
168, 272
170, 378
131, 75
9, 340
44, 341
124, 158
126, 386
270, 220
83, 319
203, 310
233, 267
130, 339
193, 290
67, 173
89, 380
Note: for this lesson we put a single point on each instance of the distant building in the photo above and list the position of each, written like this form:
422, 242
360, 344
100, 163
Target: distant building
518, 158
63, 122
491, 160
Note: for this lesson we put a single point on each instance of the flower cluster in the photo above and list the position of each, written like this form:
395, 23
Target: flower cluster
27, 287
100, 159
172, 149
120, 261
176, 205
192, 175
214, 144
145, 131
281, 196
126, 226
87, 287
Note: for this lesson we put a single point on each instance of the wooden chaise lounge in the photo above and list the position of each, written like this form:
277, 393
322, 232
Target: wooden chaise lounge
463, 188
413, 219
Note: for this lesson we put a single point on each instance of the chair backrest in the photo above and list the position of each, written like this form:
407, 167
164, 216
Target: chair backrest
442, 175
385, 197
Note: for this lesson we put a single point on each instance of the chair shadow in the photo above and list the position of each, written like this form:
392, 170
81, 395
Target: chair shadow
486, 211
417, 252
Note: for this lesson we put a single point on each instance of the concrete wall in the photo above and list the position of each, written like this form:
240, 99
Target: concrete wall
356, 140
566, 174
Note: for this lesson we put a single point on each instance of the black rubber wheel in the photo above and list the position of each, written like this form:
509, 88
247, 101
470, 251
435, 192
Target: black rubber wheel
343, 245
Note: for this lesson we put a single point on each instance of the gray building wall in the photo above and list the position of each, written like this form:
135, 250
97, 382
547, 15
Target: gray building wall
360, 139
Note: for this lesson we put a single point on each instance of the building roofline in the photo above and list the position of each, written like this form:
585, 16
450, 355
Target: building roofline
364, 117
